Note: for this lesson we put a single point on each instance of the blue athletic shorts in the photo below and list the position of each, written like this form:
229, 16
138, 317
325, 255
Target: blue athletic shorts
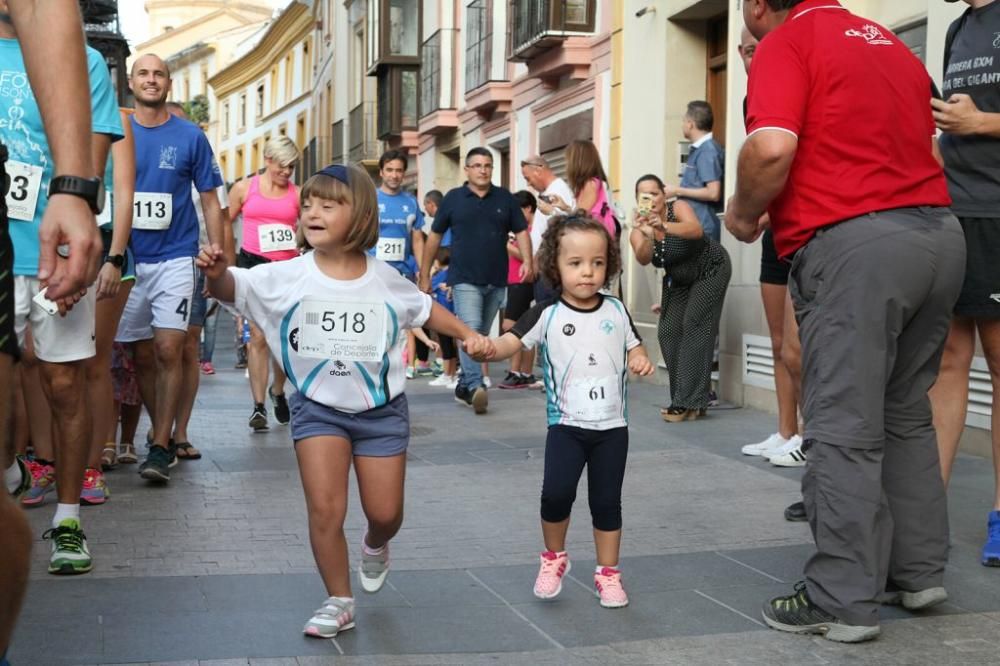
380, 432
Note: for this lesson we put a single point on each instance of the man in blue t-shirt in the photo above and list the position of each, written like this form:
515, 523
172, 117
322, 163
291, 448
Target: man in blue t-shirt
61, 344
481, 216
400, 239
171, 155
701, 182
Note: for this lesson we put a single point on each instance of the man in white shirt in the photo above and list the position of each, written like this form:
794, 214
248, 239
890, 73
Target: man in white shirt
543, 180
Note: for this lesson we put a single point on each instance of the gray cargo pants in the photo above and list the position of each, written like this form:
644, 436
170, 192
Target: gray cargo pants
873, 296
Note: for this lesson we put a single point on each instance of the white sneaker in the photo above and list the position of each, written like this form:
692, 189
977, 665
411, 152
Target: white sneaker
765, 448
794, 456
453, 382
442, 380
486, 382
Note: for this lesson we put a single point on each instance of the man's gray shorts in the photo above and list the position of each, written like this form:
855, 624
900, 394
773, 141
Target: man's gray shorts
380, 432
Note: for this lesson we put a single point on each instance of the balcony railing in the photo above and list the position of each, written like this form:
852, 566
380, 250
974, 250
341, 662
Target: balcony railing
538, 25
478, 42
361, 129
430, 74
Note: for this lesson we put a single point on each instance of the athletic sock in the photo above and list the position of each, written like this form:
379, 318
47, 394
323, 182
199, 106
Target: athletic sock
64, 511
12, 477
599, 568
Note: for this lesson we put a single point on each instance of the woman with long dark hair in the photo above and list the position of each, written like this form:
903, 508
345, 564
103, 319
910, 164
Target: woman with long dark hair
696, 276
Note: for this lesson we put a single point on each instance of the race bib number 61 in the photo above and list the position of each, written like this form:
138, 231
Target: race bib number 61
346, 331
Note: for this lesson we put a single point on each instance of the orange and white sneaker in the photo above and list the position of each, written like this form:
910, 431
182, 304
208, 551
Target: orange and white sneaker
608, 583
554, 566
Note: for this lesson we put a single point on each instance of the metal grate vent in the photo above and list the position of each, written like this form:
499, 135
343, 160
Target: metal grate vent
758, 362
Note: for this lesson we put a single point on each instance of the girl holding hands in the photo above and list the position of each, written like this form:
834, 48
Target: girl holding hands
588, 343
336, 319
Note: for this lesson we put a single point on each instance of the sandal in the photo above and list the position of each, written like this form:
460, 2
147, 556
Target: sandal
109, 457
677, 414
127, 455
185, 451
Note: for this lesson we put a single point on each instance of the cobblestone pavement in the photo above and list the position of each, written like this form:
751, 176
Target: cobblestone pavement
216, 568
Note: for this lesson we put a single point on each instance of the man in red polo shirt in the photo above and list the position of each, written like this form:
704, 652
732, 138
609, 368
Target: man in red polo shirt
841, 154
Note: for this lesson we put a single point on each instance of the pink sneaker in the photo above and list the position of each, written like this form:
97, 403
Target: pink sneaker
207, 368
95, 488
43, 481
609, 588
548, 585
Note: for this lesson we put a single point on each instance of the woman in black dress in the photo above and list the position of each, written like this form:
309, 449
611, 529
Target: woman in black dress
696, 276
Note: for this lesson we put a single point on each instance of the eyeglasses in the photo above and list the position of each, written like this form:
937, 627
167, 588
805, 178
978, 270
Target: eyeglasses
480, 167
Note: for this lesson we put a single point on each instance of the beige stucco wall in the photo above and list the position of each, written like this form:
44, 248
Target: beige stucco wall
663, 66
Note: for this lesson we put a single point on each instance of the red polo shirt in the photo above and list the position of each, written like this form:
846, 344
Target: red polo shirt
859, 102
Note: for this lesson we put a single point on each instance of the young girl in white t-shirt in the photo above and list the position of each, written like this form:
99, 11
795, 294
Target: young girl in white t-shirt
588, 344
336, 320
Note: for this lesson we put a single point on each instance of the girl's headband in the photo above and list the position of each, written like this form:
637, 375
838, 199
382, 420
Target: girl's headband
336, 171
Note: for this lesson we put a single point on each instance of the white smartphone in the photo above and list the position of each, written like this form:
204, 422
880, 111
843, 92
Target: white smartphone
49, 306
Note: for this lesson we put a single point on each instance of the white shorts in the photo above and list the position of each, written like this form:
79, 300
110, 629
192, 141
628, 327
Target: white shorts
56, 339
161, 298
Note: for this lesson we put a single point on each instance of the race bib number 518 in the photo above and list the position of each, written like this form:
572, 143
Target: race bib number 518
346, 331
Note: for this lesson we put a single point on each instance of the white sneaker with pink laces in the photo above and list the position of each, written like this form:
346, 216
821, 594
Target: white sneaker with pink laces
608, 583
554, 566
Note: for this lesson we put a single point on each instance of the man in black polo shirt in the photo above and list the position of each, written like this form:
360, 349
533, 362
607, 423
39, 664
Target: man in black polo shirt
481, 216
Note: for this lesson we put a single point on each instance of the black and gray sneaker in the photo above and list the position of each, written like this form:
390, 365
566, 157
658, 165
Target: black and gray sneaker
281, 413
796, 513
797, 614
258, 418
156, 467
25, 484
476, 398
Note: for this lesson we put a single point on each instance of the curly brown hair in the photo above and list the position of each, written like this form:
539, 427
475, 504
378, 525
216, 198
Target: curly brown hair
548, 252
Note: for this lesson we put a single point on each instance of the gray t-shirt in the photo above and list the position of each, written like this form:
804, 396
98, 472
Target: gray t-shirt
972, 163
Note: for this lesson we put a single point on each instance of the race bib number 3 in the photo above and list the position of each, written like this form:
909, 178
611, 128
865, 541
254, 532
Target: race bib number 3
342, 330
275, 237
152, 211
391, 249
594, 399
22, 197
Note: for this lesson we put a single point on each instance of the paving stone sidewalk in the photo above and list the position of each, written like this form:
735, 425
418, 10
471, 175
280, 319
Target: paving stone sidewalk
215, 568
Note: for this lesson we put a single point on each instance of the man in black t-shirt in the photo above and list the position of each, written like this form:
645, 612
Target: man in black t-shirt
481, 216
969, 117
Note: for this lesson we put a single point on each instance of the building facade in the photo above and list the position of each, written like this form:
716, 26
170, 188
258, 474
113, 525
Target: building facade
527, 77
265, 92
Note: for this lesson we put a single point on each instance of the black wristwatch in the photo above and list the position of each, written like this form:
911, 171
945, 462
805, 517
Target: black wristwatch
116, 260
90, 190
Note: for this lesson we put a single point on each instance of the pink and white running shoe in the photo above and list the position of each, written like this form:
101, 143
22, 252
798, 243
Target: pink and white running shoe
609, 588
548, 585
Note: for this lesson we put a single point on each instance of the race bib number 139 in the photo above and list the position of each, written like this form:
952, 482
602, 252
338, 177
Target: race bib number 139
341, 330
275, 237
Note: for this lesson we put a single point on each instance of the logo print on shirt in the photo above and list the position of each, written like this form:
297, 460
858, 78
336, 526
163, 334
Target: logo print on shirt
591, 360
871, 34
996, 40
293, 339
569, 329
607, 326
168, 157
340, 370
